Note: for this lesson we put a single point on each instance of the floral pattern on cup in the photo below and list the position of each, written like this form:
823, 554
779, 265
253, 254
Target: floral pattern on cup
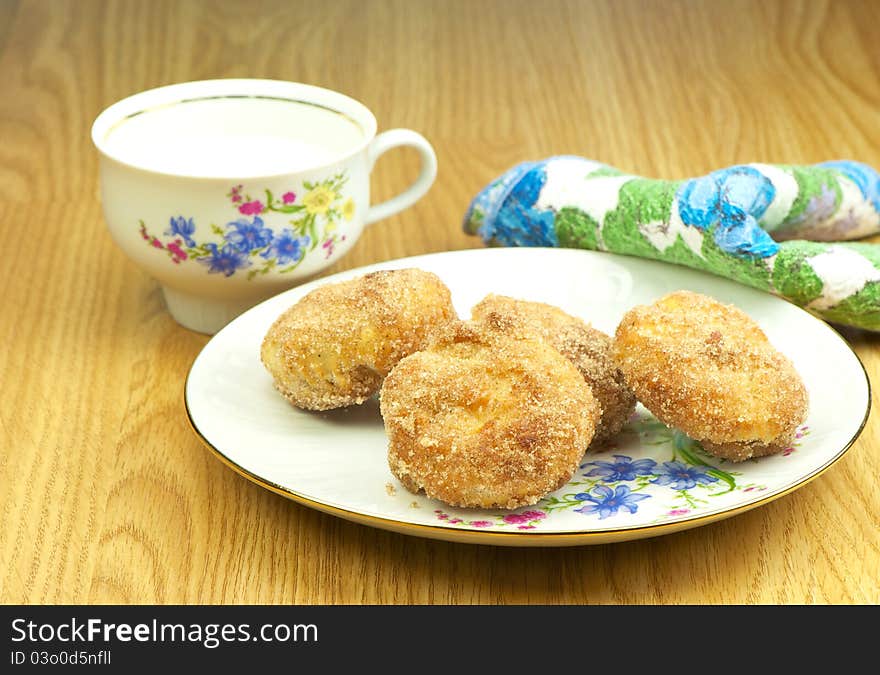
249, 243
682, 483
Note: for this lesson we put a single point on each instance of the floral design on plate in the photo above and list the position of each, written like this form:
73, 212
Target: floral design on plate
524, 520
685, 479
802, 432
248, 242
679, 478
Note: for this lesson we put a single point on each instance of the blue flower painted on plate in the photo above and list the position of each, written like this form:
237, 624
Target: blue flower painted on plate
182, 227
732, 200
866, 178
606, 502
680, 476
247, 236
225, 260
623, 468
287, 247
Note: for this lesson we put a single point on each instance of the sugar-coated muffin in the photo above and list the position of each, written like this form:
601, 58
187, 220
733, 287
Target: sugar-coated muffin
588, 348
334, 347
485, 419
708, 369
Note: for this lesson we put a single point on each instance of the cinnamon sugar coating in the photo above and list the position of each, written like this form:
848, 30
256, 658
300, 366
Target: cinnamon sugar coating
334, 347
485, 418
589, 349
708, 369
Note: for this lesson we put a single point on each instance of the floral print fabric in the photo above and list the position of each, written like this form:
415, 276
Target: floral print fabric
768, 226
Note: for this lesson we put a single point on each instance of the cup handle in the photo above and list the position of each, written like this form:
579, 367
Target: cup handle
392, 139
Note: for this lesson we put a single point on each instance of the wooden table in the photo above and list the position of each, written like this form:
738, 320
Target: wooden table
108, 497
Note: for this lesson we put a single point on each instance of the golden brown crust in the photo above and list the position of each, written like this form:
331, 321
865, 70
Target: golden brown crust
334, 347
483, 419
708, 369
589, 349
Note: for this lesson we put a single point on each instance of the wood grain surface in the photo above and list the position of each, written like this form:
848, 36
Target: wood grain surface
106, 494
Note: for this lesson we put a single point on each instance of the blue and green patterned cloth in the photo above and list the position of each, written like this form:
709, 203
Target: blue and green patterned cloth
783, 229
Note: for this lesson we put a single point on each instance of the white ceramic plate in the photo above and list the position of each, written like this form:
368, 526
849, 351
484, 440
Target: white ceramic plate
648, 481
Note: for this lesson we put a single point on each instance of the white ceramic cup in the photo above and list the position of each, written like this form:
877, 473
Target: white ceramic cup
230, 191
